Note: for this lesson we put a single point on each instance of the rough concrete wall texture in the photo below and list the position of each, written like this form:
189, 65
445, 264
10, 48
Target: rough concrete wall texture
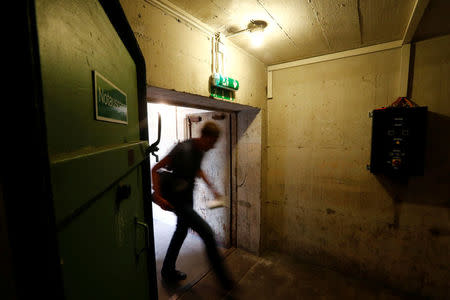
323, 205
179, 57
249, 172
428, 197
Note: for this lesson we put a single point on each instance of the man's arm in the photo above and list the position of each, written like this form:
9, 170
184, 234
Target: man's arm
202, 175
158, 199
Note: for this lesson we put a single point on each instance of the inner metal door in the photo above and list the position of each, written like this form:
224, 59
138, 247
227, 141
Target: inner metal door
216, 165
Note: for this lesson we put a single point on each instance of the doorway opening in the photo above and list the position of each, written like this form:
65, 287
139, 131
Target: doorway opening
180, 123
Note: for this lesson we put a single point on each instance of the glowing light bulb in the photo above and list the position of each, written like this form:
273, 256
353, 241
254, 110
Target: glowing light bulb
257, 38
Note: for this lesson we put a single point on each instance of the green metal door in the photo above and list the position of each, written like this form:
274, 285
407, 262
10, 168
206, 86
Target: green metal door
96, 172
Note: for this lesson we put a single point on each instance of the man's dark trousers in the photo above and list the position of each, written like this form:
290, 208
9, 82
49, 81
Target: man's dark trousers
187, 218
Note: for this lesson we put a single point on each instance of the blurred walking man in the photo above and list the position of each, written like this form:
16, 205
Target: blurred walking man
173, 190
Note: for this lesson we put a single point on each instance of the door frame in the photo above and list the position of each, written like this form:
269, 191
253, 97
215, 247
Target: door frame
241, 116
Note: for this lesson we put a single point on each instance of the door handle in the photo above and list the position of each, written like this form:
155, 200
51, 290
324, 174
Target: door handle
154, 147
147, 237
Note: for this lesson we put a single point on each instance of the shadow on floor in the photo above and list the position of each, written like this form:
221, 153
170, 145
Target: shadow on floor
273, 276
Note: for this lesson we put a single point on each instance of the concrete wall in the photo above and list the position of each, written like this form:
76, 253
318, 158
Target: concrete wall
324, 206
319, 202
179, 57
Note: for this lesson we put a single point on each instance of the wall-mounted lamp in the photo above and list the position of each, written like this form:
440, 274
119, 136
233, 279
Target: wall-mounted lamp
256, 28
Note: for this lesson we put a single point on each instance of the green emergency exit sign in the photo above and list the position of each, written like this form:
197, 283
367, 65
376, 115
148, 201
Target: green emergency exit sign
110, 101
222, 94
225, 82
223, 87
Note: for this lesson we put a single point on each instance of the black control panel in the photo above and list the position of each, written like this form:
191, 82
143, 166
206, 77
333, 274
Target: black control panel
398, 141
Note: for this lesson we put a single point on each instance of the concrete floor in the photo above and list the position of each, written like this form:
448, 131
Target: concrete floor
275, 277
192, 260
269, 276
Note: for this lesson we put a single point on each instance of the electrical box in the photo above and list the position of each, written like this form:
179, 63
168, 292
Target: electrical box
398, 141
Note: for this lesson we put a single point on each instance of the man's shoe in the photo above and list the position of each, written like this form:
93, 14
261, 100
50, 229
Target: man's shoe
174, 275
228, 285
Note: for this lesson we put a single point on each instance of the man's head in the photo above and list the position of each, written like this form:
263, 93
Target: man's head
210, 135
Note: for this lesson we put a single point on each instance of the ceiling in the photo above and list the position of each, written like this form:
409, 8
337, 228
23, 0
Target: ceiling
299, 29
434, 22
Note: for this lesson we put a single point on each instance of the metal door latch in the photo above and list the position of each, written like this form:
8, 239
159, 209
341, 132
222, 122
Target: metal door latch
147, 237
154, 147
